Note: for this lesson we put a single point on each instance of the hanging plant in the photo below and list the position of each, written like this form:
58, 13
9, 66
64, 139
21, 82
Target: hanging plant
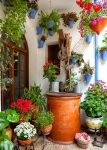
69, 19
41, 41
92, 17
33, 8
88, 38
50, 21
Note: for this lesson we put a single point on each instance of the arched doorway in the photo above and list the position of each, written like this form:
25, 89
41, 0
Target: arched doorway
18, 71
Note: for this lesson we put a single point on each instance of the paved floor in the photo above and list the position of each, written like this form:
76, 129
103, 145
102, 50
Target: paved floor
43, 144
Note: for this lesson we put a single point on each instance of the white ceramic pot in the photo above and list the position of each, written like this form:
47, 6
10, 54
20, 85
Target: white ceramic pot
54, 86
94, 123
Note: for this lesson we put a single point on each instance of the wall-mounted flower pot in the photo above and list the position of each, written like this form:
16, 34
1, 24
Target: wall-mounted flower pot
32, 13
104, 55
39, 30
71, 23
40, 43
51, 33
99, 25
72, 61
87, 77
88, 38
51, 23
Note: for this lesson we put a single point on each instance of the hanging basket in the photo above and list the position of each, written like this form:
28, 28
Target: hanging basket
99, 26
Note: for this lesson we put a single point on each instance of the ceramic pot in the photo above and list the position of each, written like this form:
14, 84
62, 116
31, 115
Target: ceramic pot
24, 142
40, 43
47, 130
87, 77
54, 86
72, 61
51, 33
32, 13
82, 145
104, 55
71, 23
88, 38
51, 23
39, 30
99, 25
9, 132
94, 123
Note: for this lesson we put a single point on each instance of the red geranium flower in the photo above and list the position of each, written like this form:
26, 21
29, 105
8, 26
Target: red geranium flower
97, 7
88, 6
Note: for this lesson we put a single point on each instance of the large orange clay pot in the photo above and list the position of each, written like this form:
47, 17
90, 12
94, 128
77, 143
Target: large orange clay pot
99, 26
66, 110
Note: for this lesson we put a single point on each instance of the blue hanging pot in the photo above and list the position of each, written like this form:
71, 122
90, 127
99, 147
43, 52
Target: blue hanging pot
72, 61
40, 43
88, 38
71, 23
87, 77
51, 23
51, 33
32, 13
104, 55
39, 30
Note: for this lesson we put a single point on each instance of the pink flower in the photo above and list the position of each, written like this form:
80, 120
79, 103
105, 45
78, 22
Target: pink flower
94, 22
84, 137
99, 18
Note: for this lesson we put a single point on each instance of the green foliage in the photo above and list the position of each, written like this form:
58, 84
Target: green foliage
71, 82
5, 142
104, 43
33, 4
105, 121
45, 17
87, 69
34, 94
77, 57
50, 71
6, 117
44, 119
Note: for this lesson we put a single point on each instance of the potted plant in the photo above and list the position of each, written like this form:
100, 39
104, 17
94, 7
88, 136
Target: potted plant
50, 22
94, 104
71, 83
88, 38
24, 108
44, 121
103, 49
33, 8
24, 132
50, 72
87, 71
39, 30
92, 17
41, 41
69, 19
6, 117
76, 59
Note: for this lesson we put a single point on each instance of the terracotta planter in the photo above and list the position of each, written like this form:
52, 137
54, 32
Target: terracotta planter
66, 110
99, 26
47, 130
25, 142
9, 132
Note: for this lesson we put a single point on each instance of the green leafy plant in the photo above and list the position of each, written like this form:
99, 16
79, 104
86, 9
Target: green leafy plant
50, 71
104, 43
34, 94
78, 58
105, 121
70, 16
53, 17
33, 4
87, 69
94, 103
71, 82
44, 119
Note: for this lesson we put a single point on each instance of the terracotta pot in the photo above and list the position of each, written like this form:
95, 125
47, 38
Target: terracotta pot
24, 142
66, 110
47, 130
9, 132
99, 26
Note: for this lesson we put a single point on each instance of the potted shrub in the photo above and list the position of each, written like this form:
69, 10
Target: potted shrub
44, 121
92, 17
24, 108
33, 8
103, 49
94, 105
71, 83
87, 71
76, 59
69, 19
50, 72
50, 22
41, 41
24, 132
6, 117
